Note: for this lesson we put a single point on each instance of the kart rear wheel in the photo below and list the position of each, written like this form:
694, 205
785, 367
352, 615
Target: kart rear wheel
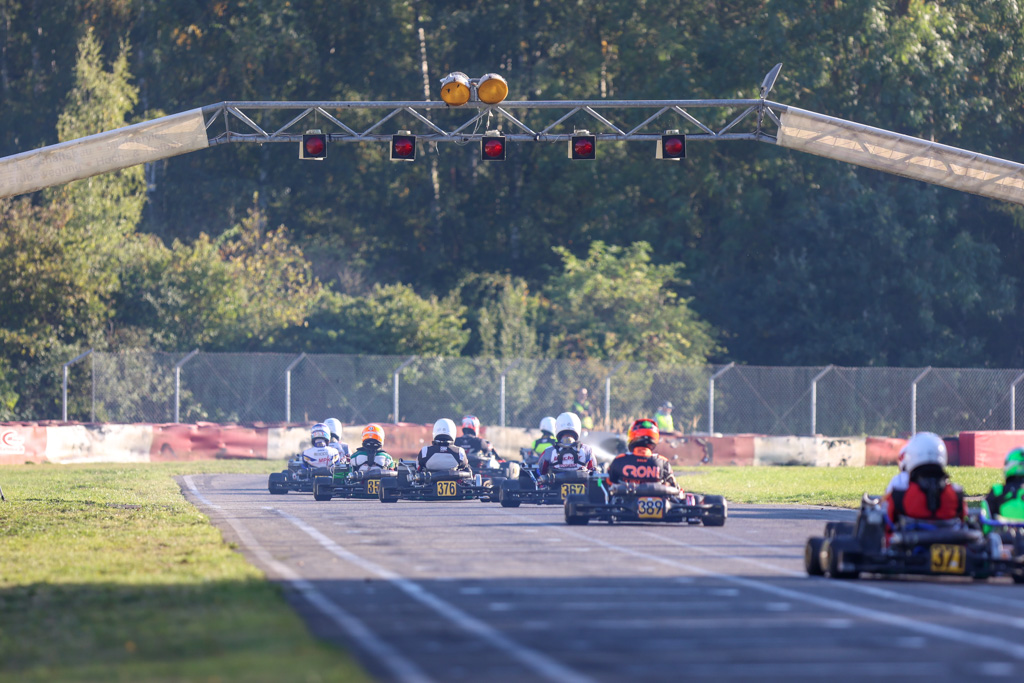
277, 483
511, 470
1017, 578
505, 495
834, 552
572, 514
720, 511
323, 488
812, 556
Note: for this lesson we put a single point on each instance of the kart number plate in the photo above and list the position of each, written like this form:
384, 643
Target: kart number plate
373, 486
446, 489
650, 508
568, 489
949, 559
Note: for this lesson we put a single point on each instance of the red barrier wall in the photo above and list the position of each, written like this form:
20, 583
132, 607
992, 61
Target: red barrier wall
988, 449
22, 442
708, 450
880, 450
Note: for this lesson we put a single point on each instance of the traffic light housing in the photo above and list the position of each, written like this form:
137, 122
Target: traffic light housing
583, 145
313, 146
403, 146
672, 146
492, 146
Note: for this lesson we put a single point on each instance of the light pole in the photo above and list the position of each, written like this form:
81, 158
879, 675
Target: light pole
64, 384
177, 383
711, 396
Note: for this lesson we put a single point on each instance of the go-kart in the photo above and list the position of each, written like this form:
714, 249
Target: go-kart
643, 503
529, 457
298, 477
550, 489
344, 483
942, 548
448, 484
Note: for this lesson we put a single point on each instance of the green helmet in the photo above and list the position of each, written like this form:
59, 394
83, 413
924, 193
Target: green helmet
1014, 465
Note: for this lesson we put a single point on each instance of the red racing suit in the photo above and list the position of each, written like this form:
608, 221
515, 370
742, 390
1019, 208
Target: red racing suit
641, 467
931, 498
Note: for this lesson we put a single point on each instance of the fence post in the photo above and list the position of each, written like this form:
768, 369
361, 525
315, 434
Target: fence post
288, 387
913, 400
711, 396
1013, 401
397, 373
64, 384
504, 372
814, 398
92, 371
608, 395
177, 383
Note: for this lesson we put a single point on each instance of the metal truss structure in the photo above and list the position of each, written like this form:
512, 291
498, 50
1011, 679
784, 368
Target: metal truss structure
228, 122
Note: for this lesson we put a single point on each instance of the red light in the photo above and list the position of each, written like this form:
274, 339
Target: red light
673, 147
315, 146
583, 147
403, 148
494, 148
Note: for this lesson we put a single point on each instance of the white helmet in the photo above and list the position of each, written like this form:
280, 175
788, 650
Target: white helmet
924, 448
320, 431
568, 422
333, 425
548, 425
444, 428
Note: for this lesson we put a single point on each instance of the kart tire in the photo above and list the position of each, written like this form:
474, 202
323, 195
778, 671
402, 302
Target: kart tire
812, 556
595, 494
505, 497
833, 529
833, 552
572, 515
323, 488
387, 495
720, 511
277, 483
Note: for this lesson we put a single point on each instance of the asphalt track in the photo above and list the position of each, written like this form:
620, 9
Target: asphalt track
468, 591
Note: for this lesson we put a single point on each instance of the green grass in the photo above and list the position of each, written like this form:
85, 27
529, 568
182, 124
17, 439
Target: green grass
108, 574
832, 486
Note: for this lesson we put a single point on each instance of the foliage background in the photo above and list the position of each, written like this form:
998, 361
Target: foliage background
749, 253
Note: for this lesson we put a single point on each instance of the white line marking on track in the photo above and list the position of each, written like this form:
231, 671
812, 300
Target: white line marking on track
535, 660
913, 599
1005, 647
390, 658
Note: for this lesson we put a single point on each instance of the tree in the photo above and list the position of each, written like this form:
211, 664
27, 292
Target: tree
616, 304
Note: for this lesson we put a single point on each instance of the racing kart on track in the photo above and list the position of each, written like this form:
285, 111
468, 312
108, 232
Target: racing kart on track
453, 484
344, 483
298, 477
550, 489
643, 503
849, 549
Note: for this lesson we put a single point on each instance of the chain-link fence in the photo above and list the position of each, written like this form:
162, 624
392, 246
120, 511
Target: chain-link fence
269, 387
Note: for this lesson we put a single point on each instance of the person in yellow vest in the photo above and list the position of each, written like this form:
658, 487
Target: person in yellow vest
663, 416
581, 406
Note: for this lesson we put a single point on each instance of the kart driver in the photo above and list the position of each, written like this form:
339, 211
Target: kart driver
1007, 500
371, 453
929, 498
901, 478
568, 454
442, 453
640, 465
321, 455
333, 425
547, 436
470, 442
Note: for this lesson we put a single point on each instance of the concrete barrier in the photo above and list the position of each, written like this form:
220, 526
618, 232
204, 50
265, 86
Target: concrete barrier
814, 451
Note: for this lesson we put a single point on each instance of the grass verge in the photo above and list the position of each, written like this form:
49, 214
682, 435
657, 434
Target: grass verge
108, 574
831, 486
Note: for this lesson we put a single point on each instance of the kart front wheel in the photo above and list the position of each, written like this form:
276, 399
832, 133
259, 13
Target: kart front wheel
812, 556
833, 552
323, 488
506, 497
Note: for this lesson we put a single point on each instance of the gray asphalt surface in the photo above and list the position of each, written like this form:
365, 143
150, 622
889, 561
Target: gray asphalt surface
469, 591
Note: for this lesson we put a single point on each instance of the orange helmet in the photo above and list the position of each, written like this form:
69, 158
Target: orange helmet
643, 432
373, 432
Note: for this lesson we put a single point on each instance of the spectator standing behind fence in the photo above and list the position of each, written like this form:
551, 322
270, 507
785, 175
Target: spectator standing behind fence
581, 406
663, 416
